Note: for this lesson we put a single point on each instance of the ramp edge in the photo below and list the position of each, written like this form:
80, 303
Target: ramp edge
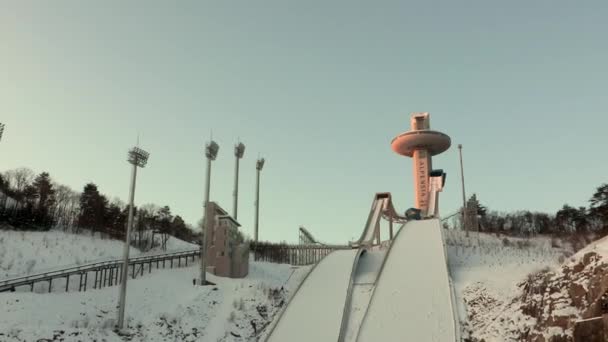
280, 314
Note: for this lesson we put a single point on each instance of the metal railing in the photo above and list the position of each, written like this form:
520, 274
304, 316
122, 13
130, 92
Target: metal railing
106, 272
296, 255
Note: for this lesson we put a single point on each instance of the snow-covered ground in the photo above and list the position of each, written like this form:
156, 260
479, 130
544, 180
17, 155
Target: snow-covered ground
162, 306
29, 252
486, 270
24, 253
174, 244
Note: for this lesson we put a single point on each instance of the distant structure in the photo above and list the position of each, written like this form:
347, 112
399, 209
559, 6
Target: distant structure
239, 151
421, 143
306, 238
211, 151
471, 217
227, 255
258, 166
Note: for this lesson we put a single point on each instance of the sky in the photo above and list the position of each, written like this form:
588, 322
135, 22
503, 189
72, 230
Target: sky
317, 88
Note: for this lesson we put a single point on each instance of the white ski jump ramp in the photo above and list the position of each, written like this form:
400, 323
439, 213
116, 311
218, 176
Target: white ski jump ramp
412, 299
315, 311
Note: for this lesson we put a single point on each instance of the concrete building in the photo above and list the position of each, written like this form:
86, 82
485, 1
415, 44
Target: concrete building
227, 255
420, 144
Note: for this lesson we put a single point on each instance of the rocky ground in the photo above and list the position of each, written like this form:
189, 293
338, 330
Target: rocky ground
548, 303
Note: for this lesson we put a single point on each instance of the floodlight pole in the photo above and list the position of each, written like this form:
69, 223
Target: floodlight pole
137, 158
239, 151
203, 276
259, 166
464, 197
211, 150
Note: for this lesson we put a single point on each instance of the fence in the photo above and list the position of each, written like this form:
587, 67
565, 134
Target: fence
108, 273
291, 254
100, 274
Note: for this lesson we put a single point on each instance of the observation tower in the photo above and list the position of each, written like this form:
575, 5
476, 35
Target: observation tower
421, 143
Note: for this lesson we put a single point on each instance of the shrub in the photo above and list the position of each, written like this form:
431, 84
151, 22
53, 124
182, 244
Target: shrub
521, 244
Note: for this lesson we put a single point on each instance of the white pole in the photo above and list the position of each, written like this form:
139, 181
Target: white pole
236, 189
257, 205
203, 275
125, 264
464, 196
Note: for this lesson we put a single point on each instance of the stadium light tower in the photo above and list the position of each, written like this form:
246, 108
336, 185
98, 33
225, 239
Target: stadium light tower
1, 130
464, 196
211, 150
239, 151
138, 158
259, 165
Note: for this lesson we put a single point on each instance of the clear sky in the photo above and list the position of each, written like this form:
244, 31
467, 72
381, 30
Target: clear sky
318, 88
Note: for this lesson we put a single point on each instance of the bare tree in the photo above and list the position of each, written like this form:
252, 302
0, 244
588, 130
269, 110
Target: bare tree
64, 209
19, 178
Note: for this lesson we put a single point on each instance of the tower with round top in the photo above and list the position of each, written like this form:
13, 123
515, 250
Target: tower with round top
421, 143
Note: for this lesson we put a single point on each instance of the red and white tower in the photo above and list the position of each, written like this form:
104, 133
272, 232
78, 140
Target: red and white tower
421, 143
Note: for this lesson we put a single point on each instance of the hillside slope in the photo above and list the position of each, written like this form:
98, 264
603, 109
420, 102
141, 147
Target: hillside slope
487, 271
27, 252
162, 306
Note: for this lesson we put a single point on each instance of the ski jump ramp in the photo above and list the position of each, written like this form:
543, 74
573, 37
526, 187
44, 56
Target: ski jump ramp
412, 299
408, 296
315, 312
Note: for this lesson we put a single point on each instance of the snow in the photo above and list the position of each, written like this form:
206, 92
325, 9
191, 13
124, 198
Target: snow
24, 253
486, 270
174, 244
361, 296
368, 269
315, 312
599, 246
162, 306
413, 296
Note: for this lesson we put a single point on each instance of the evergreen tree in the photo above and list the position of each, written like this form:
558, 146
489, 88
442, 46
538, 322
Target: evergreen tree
599, 205
92, 208
164, 219
115, 221
179, 229
45, 194
567, 219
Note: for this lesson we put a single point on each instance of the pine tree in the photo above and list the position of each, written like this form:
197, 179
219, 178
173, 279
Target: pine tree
92, 208
115, 220
179, 229
45, 194
567, 218
164, 218
599, 205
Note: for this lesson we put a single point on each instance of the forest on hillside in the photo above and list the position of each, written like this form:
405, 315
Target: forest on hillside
30, 201
588, 222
